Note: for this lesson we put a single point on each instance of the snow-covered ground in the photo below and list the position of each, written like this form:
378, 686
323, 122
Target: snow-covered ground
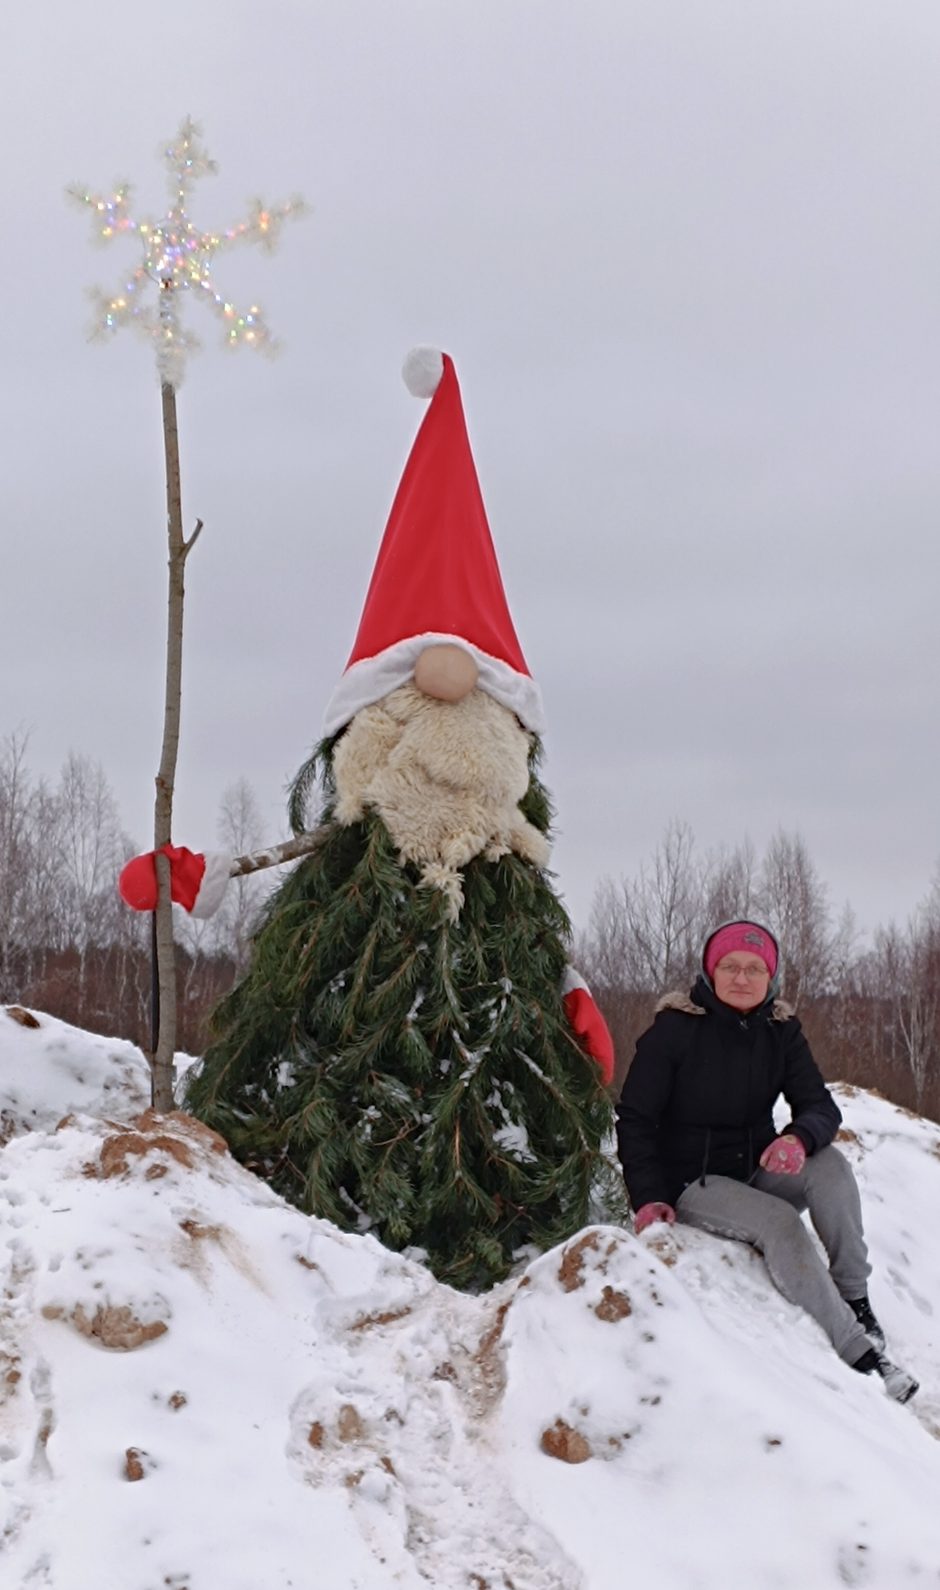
202, 1389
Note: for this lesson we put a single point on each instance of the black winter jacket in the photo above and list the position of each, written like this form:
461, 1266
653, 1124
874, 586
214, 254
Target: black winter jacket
700, 1094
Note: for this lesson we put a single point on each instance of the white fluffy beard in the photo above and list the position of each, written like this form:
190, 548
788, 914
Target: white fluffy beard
445, 778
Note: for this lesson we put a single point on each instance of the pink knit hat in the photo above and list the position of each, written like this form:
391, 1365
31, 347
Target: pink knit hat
745, 936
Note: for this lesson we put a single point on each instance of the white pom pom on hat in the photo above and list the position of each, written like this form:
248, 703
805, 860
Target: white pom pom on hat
422, 371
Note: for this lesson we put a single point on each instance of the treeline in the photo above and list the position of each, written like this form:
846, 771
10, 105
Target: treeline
68, 944
871, 1013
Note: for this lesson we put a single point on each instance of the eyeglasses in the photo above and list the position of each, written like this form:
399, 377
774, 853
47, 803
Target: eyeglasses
753, 973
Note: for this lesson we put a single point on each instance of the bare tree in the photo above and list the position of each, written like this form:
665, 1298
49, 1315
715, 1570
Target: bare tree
89, 850
663, 910
793, 901
240, 829
644, 937
910, 969
604, 955
92, 848
839, 1020
20, 839
729, 884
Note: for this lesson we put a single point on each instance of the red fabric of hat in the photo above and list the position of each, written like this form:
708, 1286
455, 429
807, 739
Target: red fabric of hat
436, 577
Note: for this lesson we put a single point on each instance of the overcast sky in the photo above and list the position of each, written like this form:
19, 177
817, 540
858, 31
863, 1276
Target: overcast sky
686, 258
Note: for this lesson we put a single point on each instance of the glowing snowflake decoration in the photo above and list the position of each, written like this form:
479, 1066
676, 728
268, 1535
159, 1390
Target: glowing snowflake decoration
177, 258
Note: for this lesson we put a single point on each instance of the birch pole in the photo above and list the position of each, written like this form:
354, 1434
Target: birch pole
164, 1037
176, 258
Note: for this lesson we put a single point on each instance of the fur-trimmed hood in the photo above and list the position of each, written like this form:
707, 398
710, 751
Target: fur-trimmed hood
683, 1002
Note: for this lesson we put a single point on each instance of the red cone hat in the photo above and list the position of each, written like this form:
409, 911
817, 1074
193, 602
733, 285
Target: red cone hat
436, 578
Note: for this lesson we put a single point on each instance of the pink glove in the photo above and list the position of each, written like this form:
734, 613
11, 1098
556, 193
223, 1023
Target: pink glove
648, 1213
785, 1156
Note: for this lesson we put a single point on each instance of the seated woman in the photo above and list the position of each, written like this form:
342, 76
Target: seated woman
697, 1141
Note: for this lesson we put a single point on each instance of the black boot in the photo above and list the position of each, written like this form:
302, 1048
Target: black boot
898, 1383
861, 1308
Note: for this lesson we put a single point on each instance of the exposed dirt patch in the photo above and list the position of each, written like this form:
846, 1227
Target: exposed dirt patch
113, 1160
664, 1248
201, 1233
315, 1435
365, 1322
562, 1442
477, 1374
573, 1259
571, 1268
613, 1306
174, 1135
134, 1464
24, 1017
491, 1371
349, 1423
116, 1328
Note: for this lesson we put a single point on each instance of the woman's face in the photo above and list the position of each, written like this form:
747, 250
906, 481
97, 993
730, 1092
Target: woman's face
741, 981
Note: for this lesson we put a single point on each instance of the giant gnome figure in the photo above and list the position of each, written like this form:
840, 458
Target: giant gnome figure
409, 1053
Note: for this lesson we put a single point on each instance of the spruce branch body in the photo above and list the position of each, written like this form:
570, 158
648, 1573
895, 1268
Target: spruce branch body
391, 1070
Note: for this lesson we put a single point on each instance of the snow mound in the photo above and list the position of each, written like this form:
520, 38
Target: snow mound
48, 1068
202, 1387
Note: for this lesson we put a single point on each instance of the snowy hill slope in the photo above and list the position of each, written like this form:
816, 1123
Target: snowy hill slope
202, 1389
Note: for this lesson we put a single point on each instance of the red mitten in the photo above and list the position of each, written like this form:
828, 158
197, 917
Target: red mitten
137, 883
197, 882
785, 1156
587, 1023
647, 1214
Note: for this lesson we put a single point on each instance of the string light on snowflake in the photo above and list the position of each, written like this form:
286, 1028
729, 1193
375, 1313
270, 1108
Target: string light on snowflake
178, 258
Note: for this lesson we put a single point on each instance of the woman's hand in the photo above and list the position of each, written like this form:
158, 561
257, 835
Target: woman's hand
648, 1213
785, 1156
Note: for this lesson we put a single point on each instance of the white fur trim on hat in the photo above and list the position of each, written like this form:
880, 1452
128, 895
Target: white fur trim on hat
371, 678
214, 883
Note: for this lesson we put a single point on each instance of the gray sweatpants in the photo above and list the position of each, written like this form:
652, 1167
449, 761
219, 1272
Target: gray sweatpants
766, 1213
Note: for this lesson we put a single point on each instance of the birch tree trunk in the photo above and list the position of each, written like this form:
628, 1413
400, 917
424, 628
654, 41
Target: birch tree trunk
164, 1039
